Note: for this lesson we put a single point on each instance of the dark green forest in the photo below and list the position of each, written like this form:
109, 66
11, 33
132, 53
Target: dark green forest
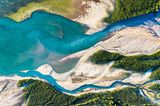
125, 9
155, 74
39, 93
137, 63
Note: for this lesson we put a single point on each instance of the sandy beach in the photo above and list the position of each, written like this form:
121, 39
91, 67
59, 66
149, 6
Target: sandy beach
10, 94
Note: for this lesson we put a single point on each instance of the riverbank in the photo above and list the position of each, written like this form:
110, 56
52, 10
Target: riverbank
87, 12
95, 14
132, 41
129, 41
134, 97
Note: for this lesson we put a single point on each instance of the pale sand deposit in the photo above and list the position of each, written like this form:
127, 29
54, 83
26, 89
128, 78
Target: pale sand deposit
10, 94
95, 14
129, 41
86, 72
101, 75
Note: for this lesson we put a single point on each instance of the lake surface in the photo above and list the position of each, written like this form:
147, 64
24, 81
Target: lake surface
46, 38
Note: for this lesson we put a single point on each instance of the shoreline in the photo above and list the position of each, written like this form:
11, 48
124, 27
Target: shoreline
95, 14
81, 86
90, 13
81, 53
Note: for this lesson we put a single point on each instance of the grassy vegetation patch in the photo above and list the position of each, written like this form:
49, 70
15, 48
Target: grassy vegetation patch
63, 7
155, 87
155, 74
40, 93
138, 63
131, 8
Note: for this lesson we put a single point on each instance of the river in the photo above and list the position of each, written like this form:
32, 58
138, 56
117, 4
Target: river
76, 40
46, 38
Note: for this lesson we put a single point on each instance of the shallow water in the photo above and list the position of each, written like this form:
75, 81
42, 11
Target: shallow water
46, 38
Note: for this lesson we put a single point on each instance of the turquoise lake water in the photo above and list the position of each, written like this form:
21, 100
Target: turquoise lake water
36, 41
45, 38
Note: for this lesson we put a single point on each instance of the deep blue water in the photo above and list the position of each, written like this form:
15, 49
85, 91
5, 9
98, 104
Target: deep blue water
45, 37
